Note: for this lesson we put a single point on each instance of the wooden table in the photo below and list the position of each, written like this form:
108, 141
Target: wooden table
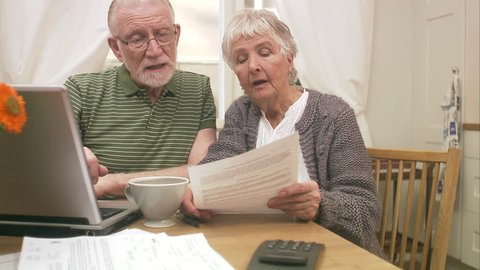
236, 237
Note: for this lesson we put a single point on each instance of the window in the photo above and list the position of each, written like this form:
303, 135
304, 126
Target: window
199, 44
199, 48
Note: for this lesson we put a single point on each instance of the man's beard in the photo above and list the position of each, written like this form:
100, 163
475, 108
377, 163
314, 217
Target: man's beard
153, 80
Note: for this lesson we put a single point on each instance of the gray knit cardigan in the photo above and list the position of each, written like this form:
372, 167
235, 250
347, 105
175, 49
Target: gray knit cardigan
335, 156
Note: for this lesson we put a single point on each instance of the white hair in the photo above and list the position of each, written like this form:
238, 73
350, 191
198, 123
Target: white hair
116, 4
254, 23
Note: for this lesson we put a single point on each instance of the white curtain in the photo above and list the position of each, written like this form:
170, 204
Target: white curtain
334, 38
46, 41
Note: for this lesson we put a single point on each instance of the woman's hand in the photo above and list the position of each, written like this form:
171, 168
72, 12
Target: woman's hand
300, 200
189, 208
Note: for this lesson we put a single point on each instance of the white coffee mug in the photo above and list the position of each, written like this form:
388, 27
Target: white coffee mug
158, 197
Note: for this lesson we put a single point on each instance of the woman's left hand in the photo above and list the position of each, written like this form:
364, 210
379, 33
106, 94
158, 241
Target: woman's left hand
300, 200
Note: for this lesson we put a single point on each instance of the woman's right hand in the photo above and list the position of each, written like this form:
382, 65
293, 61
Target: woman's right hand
188, 207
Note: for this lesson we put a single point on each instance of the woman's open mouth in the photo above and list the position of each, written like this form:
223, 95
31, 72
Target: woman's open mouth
259, 82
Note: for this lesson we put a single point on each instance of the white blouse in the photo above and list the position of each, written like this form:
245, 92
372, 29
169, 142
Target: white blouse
267, 134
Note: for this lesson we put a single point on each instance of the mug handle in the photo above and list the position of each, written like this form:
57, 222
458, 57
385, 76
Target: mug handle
128, 194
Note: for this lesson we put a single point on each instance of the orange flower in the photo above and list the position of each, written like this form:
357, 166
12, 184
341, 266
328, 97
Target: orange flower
12, 110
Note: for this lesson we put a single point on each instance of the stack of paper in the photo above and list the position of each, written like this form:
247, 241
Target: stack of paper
9, 261
130, 249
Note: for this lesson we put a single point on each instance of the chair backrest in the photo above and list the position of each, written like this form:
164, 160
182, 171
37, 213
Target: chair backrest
416, 220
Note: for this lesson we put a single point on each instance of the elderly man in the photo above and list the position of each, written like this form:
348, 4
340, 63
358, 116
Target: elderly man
144, 117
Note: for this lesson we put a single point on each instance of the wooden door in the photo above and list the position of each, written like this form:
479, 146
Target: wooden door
438, 46
439, 41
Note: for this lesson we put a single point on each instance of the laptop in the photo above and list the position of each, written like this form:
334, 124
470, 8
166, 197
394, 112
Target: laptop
45, 187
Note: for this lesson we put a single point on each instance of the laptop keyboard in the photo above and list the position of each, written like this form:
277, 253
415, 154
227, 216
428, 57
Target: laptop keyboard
109, 212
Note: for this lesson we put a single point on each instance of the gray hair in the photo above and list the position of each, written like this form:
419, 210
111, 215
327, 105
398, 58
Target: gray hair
253, 23
116, 4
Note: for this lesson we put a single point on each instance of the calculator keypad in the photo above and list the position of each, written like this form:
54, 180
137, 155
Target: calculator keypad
276, 254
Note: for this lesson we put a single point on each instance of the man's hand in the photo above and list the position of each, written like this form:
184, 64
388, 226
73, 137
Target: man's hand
111, 186
300, 200
94, 168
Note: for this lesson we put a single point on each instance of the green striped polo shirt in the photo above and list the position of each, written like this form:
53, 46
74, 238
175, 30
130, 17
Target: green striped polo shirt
126, 132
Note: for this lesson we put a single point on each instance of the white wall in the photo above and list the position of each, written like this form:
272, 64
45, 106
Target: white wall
389, 110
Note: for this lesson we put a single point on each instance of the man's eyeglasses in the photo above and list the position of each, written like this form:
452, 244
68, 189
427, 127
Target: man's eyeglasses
141, 44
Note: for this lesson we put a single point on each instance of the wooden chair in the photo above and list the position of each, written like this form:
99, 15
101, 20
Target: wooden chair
415, 225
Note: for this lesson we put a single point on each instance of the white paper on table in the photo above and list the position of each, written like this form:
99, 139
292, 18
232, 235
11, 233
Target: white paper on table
194, 252
121, 252
9, 261
243, 184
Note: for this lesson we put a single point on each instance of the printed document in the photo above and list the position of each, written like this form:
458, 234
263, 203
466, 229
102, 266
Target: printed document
243, 184
125, 251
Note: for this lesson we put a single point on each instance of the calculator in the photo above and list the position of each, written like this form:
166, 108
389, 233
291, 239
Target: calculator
285, 254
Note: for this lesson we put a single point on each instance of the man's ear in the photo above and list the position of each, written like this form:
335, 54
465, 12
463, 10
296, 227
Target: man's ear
113, 44
178, 30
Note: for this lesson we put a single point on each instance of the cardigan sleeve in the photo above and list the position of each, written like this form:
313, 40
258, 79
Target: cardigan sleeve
349, 205
232, 138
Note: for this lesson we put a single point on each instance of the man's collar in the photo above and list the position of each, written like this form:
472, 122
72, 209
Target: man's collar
130, 88
128, 85
172, 85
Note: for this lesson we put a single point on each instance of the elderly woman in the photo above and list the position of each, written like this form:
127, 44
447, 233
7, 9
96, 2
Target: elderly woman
342, 195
